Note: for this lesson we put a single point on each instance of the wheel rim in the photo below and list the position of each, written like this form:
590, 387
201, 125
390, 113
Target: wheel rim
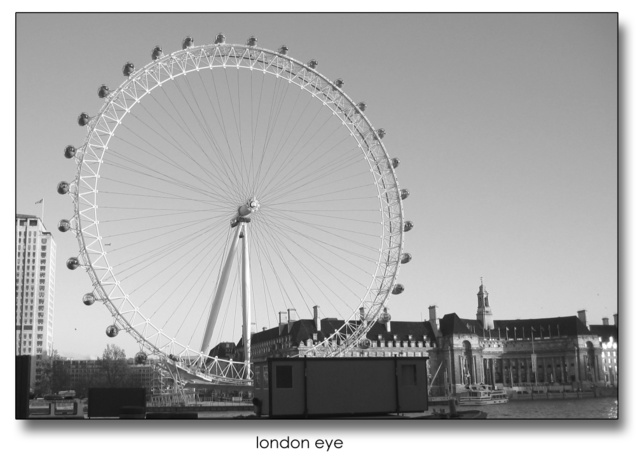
177, 158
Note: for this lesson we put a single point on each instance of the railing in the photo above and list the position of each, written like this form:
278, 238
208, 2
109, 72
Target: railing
544, 391
196, 401
57, 409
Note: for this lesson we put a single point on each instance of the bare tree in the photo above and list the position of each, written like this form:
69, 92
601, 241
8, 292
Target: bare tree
45, 379
61, 378
115, 368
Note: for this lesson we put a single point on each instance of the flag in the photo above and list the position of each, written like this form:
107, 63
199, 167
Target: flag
40, 202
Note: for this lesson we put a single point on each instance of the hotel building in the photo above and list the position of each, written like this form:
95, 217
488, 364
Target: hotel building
35, 289
35, 286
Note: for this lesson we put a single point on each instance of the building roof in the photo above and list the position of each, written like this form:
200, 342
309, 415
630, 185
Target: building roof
605, 332
451, 324
33, 217
402, 330
517, 328
304, 329
20, 216
301, 330
224, 349
545, 327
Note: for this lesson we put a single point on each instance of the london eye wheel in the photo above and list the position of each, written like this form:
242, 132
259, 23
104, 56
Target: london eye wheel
222, 184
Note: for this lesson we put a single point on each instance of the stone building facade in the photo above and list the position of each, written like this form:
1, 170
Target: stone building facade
297, 337
608, 337
559, 351
517, 353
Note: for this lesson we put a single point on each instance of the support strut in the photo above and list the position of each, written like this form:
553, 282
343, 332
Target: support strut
221, 287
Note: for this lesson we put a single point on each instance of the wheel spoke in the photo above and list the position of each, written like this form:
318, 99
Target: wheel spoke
216, 136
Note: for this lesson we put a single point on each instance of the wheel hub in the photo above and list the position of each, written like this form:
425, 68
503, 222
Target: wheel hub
249, 207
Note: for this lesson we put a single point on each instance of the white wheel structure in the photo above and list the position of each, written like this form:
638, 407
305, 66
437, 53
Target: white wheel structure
222, 184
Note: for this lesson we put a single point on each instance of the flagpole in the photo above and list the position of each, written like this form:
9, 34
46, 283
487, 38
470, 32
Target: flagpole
41, 201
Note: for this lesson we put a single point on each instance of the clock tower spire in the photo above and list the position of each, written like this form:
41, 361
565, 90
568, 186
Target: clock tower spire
484, 315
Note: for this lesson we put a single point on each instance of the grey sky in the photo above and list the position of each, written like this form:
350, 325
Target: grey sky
505, 126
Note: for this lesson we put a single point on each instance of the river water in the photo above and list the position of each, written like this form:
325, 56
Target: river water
575, 408
584, 408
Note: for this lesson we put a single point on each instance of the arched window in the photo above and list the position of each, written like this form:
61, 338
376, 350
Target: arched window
591, 362
468, 374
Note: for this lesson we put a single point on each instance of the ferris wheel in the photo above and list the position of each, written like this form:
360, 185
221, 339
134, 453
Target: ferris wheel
222, 184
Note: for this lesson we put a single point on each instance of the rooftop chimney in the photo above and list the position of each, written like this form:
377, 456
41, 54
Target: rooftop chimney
582, 315
433, 320
316, 317
432, 313
605, 321
289, 319
281, 321
363, 316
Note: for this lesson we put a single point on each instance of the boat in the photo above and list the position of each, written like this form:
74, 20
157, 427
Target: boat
482, 394
453, 413
440, 400
464, 414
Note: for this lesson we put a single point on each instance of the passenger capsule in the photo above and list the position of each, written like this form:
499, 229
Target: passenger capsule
140, 358
88, 299
103, 91
405, 258
283, 50
252, 41
73, 263
83, 119
365, 343
404, 194
63, 188
220, 39
64, 226
128, 69
397, 289
384, 317
408, 226
361, 106
187, 43
312, 63
395, 162
69, 151
156, 53
112, 331
338, 83
381, 133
